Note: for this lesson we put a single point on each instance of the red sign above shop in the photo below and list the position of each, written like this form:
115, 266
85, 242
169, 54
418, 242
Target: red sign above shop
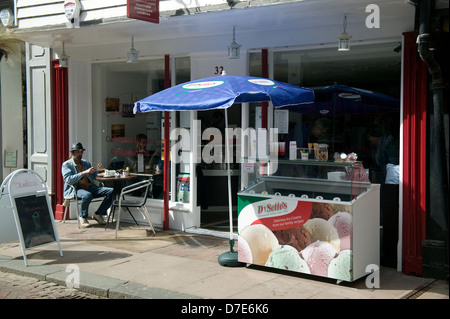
145, 10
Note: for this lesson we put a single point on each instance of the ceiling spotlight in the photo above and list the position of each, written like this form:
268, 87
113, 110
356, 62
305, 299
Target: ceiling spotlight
234, 48
344, 38
132, 55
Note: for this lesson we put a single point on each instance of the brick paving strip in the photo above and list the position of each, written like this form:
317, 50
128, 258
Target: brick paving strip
14, 286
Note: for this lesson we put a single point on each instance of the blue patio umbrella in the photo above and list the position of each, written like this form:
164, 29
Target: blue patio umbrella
220, 92
340, 99
223, 91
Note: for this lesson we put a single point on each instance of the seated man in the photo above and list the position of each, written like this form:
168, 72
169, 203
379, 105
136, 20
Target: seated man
80, 173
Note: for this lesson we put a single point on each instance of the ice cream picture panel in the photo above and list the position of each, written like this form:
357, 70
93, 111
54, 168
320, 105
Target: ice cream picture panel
332, 239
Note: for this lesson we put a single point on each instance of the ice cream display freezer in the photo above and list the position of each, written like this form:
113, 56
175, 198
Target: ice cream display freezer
320, 226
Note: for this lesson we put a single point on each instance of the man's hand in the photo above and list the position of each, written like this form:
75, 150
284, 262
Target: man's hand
88, 171
100, 167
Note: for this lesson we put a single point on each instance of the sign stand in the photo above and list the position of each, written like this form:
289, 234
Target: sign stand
32, 210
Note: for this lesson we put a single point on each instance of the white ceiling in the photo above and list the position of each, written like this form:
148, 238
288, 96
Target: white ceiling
296, 23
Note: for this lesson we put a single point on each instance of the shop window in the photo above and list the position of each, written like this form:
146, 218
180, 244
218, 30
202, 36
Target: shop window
128, 140
363, 131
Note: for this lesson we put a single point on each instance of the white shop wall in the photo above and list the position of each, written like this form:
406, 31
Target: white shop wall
11, 117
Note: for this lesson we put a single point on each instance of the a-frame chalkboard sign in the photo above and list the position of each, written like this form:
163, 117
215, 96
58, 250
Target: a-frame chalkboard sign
32, 210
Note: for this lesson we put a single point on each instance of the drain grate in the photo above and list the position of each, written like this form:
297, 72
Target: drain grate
419, 291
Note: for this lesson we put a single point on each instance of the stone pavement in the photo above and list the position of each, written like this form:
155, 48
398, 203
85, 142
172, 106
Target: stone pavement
183, 265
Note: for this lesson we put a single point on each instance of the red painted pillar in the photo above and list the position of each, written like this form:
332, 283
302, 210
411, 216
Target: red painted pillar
166, 183
414, 156
60, 132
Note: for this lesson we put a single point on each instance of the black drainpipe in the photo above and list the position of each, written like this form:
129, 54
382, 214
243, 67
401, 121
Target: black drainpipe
438, 179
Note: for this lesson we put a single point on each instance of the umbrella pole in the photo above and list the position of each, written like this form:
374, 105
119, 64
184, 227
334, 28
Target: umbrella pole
229, 258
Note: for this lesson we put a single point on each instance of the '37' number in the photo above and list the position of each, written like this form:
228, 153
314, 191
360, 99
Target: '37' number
218, 70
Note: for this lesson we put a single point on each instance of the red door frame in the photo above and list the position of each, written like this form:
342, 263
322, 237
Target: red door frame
60, 132
414, 156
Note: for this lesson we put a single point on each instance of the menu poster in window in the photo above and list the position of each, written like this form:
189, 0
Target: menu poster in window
282, 121
118, 130
112, 104
35, 221
127, 110
258, 117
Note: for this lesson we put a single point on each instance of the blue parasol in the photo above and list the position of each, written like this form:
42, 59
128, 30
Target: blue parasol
220, 92
340, 99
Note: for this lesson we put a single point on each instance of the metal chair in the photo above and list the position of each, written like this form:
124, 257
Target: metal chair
121, 202
67, 201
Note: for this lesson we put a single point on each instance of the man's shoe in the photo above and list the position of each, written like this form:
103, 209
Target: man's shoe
84, 222
99, 219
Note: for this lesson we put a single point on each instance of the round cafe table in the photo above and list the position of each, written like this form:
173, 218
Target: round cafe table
117, 182
102, 178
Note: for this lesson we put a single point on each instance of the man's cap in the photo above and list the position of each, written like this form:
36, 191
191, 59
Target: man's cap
77, 147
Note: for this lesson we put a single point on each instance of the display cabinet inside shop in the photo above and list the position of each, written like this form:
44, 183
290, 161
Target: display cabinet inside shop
314, 217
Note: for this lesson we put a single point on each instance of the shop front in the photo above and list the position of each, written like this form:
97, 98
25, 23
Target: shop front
103, 87
198, 189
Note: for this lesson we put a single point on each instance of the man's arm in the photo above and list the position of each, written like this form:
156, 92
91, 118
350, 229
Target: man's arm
69, 174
